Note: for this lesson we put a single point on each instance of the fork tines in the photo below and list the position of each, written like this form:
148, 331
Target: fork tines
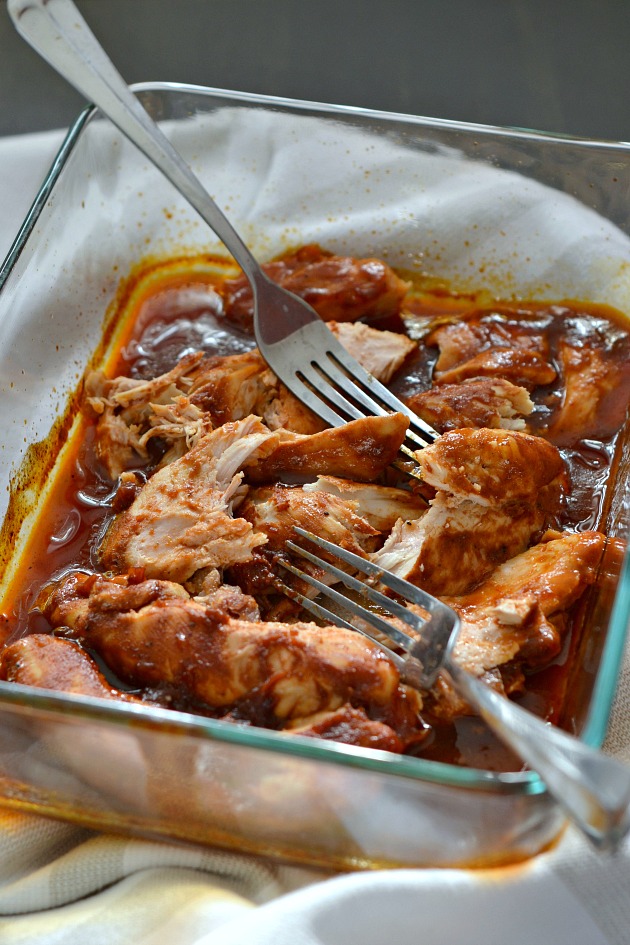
339, 389
434, 629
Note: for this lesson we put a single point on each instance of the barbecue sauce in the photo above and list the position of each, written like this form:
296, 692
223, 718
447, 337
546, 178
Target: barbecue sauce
176, 307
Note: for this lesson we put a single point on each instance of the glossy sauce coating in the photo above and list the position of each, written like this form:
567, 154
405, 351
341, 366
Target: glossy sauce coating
188, 316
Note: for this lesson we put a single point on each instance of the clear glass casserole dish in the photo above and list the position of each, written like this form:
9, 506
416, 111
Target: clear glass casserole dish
522, 213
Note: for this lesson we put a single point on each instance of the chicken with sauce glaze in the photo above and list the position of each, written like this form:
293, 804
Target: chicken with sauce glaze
192, 655
216, 460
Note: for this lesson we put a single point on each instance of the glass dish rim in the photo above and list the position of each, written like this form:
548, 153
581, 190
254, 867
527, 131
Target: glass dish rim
86, 708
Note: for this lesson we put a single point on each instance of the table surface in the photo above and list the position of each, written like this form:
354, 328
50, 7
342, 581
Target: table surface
554, 65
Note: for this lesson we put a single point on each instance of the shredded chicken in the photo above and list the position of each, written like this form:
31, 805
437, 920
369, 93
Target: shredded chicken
479, 402
217, 461
338, 287
131, 411
496, 490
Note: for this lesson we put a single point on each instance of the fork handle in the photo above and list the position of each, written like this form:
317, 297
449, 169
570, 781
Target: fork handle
592, 788
57, 31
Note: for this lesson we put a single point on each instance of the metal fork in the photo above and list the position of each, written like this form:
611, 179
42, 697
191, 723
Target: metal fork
303, 352
592, 789
296, 344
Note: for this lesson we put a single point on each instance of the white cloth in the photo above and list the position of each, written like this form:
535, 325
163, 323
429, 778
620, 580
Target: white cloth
64, 885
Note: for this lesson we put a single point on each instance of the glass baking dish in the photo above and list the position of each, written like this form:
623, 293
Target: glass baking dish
521, 213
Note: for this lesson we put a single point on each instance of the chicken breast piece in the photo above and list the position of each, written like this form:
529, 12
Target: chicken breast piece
381, 506
352, 726
450, 549
590, 376
491, 344
227, 599
479, 402
47, 662
511, 619
185, 403
181, 520
381, 353
275, 510
523, 367
234, 386
496, 490
462, 338
359, 450
265, 673
228, 387
231, 387
338, 287
490, 466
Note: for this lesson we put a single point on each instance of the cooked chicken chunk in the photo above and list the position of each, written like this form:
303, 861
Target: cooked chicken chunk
590, 375
361, 450
179, 407
524, 368
381, 353
511, 620
449, 549
181, 520
227, 599
496, 489
267, 673
489, 345
352, 726
235, 386
479, 402
46, 662
381, 506
230, 388
131, 411
490, 466
275, 510
464, 337
338, 287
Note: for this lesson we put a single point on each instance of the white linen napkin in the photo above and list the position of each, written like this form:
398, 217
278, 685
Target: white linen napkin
65, 885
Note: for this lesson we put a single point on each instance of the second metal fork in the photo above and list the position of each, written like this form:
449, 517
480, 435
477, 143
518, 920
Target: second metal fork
592, 788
